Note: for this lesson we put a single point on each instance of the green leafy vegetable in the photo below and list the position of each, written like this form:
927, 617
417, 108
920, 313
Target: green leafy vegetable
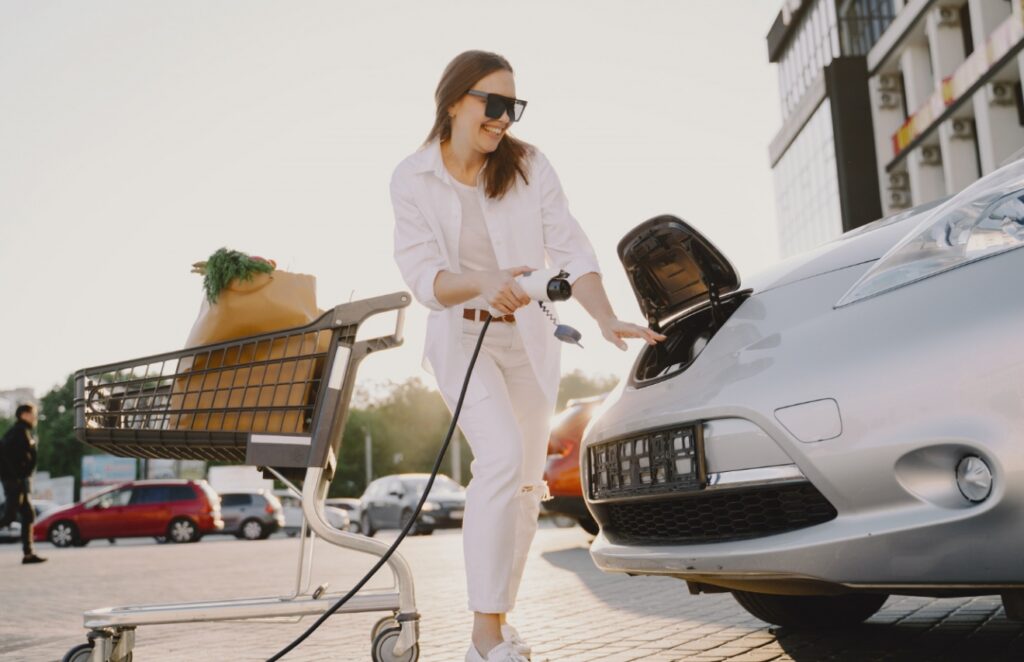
226, 265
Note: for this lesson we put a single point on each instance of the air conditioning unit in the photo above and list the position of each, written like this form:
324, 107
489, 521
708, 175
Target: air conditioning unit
898, 199
962, 128
889, 83
1000, 93
947, 16
899, 181
931, 155
889, 100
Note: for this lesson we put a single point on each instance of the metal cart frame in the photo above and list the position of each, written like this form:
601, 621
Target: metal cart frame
136, 409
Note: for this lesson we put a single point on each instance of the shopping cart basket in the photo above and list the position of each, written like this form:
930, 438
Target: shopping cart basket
278, 401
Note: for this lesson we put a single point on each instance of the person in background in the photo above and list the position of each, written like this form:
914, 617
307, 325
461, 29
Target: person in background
18, 452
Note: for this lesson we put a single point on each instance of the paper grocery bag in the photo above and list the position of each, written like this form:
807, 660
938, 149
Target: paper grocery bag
266, 386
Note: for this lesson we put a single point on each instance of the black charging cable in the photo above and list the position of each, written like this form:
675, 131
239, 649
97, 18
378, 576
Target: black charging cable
412, 520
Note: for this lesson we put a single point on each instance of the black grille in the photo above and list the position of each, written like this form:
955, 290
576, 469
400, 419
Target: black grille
716, 515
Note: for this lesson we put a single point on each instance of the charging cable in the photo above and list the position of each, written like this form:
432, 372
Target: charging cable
412, 520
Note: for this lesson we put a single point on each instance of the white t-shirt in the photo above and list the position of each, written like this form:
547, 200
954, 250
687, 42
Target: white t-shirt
475, 249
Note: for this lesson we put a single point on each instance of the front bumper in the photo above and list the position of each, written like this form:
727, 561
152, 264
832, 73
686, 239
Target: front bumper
916, 388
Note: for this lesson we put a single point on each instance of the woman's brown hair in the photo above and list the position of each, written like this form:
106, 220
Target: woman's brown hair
509, 157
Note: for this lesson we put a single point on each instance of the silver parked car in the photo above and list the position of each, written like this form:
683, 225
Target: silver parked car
841, 428
292, 506
252, 514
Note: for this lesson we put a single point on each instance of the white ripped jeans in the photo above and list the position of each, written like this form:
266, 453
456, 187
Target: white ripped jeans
508, 434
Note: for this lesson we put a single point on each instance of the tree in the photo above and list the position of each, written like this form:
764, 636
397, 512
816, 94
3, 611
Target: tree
60, 452
407, 425
578, 385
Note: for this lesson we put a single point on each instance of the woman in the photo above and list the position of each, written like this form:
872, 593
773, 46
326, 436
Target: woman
475, 207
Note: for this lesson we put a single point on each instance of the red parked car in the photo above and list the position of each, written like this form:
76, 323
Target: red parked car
563, 468
178, 510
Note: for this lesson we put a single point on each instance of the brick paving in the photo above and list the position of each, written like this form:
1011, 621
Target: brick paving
567, 609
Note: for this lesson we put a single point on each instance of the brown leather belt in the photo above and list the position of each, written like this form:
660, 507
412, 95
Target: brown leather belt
471, 314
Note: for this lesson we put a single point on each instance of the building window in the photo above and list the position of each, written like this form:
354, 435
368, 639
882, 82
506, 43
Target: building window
814, 44
807, 187
862, 23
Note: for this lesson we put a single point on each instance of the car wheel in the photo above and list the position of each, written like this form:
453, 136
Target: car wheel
63, 534
182, 529
589, 525
252, 529
80, 543
365, 526
404, 521
812, 611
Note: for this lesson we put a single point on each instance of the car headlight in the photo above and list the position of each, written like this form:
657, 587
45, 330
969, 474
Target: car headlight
430, 505
985, 219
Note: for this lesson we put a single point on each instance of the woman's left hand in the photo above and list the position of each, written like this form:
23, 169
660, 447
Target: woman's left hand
614, 330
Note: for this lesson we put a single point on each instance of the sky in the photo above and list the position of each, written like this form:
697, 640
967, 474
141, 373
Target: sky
137, 137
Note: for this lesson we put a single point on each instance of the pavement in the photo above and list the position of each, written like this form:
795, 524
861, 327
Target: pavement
567, 609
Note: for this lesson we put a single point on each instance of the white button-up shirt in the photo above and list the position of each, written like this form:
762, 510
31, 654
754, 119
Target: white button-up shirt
531, 225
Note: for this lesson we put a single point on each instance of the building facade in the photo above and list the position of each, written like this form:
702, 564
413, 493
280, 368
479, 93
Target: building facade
888, 104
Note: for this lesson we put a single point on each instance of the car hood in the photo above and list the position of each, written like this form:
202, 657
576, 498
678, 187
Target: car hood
858, 246
58, 510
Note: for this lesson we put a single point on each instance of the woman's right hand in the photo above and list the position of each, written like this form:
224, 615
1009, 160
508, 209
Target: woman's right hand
500, 289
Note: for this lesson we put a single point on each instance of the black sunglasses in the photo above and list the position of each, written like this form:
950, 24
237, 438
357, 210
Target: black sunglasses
498, 104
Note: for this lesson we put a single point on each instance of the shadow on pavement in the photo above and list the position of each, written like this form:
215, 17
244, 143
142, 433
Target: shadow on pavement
905, 630
920, 641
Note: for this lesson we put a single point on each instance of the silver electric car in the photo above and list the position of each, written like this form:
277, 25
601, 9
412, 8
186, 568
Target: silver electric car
845, 426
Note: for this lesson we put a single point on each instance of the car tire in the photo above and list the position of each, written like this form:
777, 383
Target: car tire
80, 543
812, 611
252, 529
404, 520
589, 525
63, 533
182, 529
366, 526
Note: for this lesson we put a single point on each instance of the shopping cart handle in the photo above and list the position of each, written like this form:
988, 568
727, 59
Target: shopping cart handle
356, 312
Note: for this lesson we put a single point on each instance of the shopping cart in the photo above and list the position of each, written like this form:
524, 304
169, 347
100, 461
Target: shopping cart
277, 401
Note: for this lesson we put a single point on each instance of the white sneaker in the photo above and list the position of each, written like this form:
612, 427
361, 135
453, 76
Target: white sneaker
511, 635
503, 652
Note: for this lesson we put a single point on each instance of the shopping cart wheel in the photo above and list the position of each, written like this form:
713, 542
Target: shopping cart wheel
80, 653
384, 644
383, 624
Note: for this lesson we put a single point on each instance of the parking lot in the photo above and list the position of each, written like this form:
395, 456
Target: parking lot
567, 609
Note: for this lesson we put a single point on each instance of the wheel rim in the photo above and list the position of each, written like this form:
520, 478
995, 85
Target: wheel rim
252, 530
182, 531
62, 535
384, 644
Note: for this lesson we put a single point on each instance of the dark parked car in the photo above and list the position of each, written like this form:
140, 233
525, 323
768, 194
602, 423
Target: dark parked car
251, 514
562, 472
180, 510
12, 533
389, 502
